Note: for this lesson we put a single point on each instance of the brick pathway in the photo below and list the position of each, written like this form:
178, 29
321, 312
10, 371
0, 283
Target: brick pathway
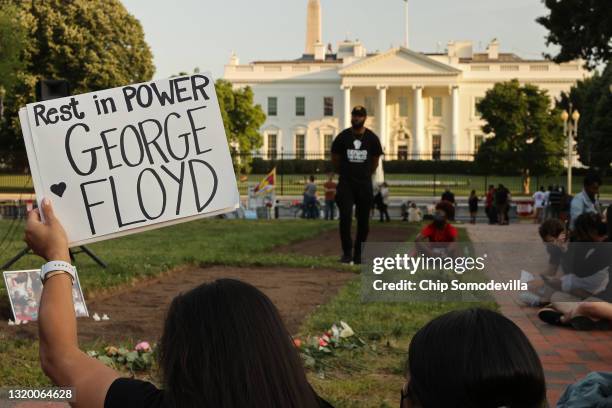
567, 355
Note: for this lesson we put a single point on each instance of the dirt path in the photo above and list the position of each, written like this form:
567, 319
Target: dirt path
567, 355
138, 313
328, 243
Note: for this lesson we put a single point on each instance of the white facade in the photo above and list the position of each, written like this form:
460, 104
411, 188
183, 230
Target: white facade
420, 105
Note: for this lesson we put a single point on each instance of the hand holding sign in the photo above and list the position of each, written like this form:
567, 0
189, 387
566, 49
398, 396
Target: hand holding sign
128, 159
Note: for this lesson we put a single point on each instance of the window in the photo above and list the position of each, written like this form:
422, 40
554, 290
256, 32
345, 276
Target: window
272, 146
300, 106
436, 106
403, 106
436, 147
369, 105
328, 106
478, 139
402, 153
477, 100
300, 146
272, 106
327, 144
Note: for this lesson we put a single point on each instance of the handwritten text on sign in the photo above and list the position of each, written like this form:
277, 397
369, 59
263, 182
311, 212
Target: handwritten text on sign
133, 156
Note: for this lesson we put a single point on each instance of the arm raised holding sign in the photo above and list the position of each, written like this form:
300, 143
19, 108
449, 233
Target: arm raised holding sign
60, 357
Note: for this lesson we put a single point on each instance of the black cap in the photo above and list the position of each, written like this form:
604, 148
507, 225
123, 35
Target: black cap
359, 111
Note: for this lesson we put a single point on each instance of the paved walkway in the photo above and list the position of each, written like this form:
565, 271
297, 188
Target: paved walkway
567, 355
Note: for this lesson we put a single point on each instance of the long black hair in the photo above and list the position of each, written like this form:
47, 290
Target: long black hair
224, 345
474, 358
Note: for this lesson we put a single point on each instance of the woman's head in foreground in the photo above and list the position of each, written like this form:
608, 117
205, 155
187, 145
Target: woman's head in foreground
473, 358
224, 345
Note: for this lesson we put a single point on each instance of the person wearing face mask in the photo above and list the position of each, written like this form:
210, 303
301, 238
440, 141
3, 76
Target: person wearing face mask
440, 234
355, 156
586, 201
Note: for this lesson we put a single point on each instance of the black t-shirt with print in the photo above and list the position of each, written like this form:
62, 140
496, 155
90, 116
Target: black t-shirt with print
356, 154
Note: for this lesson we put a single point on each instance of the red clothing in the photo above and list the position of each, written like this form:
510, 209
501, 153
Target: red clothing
330, 195
446, 234
489, 201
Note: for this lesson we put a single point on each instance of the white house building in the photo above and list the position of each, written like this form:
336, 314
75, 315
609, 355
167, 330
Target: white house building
422, 105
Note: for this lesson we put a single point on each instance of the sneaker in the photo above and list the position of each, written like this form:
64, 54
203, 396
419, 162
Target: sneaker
551, 316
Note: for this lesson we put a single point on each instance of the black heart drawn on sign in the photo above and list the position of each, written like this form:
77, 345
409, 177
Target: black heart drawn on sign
58, 189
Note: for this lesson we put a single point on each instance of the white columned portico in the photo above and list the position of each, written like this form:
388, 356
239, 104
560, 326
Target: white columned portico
418, 121
454, 122
347, 106
382, 116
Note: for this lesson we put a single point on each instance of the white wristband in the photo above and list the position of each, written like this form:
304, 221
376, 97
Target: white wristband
53, 266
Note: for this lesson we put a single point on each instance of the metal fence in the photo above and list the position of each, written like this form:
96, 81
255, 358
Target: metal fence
408, 176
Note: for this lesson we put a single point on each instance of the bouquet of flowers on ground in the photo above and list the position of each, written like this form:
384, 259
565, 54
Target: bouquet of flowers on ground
339, 337
138, 359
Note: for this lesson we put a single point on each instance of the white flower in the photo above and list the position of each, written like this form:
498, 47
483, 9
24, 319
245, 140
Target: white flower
346, 330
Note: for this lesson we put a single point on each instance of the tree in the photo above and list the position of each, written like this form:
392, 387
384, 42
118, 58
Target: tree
12, 43
528, 134
582, 28
92, 44
242, 120
593, 100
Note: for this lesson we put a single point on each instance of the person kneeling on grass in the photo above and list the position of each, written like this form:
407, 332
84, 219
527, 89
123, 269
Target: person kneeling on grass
473, 358
223, 345
439, 237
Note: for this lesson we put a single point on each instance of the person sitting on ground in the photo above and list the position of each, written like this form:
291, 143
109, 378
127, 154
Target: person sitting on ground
439, 236
473, 358
553, 234
414, 213
223, 344
587, 266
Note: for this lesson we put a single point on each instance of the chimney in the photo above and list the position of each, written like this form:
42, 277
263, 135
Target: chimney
313, 26
452, 53
493, 49
234, 59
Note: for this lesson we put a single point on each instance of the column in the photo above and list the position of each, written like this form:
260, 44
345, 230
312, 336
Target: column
455, 122
382, 116
347, 106
418, 148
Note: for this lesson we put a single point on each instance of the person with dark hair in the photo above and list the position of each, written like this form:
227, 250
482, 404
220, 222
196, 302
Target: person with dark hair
473, 358
223, 344
330, 198
383, 205
310, 199
490, 205
449, 196
355, 156
502, 203
440, 235
586, 201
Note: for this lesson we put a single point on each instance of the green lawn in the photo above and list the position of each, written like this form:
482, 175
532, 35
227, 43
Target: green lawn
371, 377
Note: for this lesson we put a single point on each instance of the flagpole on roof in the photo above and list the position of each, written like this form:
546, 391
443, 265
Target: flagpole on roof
407, 24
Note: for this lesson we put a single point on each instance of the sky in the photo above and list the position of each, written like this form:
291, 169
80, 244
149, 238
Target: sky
185, 34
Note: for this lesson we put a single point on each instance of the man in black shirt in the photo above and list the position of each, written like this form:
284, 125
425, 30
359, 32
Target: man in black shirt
355, 155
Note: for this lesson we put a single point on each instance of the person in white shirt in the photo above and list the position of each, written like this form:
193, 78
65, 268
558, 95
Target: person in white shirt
539, 198
414, 213
586, 201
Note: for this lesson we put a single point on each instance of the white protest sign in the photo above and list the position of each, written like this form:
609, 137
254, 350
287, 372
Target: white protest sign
132, 158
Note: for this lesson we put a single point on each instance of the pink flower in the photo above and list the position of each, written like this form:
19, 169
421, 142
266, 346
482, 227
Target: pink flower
297, 343
323, 343
143, 346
